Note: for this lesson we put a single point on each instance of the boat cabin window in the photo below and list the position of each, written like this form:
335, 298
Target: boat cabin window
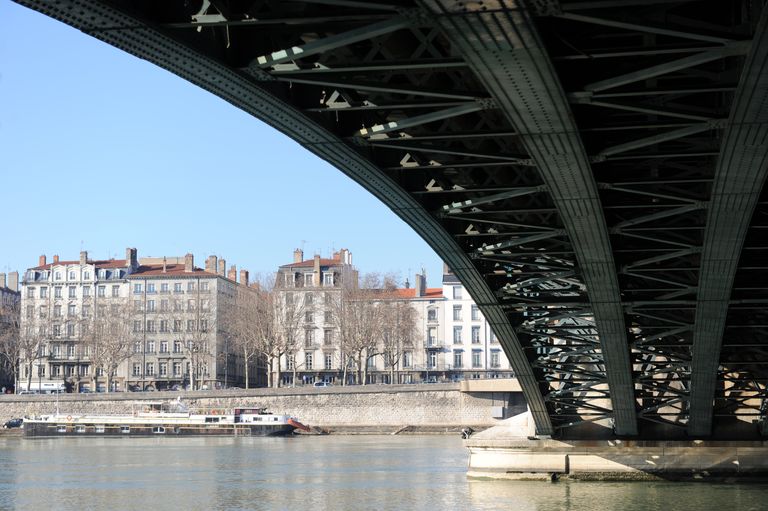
158, 430
125, 429
99, 428
212, 419
79, 429
61, 429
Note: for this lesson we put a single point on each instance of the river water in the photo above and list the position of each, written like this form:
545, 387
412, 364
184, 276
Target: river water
309, 473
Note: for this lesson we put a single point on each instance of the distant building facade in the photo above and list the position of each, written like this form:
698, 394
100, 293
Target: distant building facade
171, 309
453, 340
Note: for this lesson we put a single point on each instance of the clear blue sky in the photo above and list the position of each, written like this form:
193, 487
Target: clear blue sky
100, 151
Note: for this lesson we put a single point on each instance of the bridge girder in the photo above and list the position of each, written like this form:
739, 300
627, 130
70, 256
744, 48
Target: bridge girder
559, 156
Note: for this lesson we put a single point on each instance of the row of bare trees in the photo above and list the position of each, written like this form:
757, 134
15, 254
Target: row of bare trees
369, 320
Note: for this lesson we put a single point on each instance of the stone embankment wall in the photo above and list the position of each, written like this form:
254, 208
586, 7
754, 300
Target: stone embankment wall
373, 408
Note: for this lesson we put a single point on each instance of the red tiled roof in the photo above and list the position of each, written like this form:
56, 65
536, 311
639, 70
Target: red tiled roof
410, 294
175, 270
311, 262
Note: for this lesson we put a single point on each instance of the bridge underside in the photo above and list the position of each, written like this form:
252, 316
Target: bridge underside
593, 172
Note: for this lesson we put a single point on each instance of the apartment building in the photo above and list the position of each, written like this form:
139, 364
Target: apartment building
10, 298
155, 321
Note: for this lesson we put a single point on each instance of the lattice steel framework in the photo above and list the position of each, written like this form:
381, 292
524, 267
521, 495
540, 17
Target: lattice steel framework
591, 170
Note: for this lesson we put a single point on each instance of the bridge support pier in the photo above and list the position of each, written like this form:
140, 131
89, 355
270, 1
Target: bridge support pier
512, 451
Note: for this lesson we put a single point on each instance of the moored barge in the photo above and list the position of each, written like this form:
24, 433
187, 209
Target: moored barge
158, 419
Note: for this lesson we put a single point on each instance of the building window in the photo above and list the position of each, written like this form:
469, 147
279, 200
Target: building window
102, 291
431, 336
30, 311
190, 305
457, 292
164, 305
309, 317
150, 369
328, 317
57, 292
308, 277
495, 358
115, 291
43, 292
72, 292
190, 286
72, 275
137, 289
190, 325
177, 325
177, 306
289, 280
163, 346
71, 310
475, 313
57, 311
309, 337
493, 336
475, 334
177, 346
86, 291
431, 314
70, 350
163, 367
308, 299
150, 325
203, 325
57, 275
457, 312
457, 335
370, 363
177, 368
204, 305
308, 361
150, 346
327, 337
136, 369
164, 287
328, 361
457, 358
150, 287
137, 347
407, 359
31, 292
177, 288
290, 362
87, 275
150, 306
328, 279
204, 286
70, 329
55, 371
477, 358
164, 325
57, 330
432, 360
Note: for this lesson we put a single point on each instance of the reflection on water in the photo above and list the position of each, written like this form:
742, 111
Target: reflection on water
308, 473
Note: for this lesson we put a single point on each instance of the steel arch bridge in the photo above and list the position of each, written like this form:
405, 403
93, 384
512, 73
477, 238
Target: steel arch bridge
592, 170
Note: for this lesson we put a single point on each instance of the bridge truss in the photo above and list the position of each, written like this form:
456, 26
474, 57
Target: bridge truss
592, 170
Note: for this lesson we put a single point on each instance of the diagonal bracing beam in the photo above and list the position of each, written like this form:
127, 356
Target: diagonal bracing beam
739, 177
504, 50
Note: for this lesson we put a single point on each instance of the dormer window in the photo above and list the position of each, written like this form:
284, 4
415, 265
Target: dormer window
87, 275
72, 275
57, 275
328, 279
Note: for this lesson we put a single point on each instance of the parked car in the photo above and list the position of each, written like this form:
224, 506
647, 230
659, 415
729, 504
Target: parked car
13, 423
323, 384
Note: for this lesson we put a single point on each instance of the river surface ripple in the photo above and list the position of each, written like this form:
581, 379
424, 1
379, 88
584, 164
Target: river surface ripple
309, 473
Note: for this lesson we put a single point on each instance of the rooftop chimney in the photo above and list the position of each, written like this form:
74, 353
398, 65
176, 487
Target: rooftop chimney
214, 263
298, 255
83, 258
41, 261
222, 267
56, 259
418, 285
244, 277
316, 271
232, 275
189, 263
13, 281
165, 265
2, 280
131, 261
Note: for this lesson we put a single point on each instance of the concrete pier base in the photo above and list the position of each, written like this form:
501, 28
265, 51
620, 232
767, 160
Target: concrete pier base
511, 451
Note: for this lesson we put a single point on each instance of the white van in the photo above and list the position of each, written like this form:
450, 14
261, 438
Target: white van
45, 387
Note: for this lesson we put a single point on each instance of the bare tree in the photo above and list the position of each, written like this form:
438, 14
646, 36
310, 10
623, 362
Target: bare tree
288, 311
398, 333
10, 338
244, 324
106, 341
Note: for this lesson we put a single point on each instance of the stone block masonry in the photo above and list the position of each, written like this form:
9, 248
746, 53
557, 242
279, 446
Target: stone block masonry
356, 409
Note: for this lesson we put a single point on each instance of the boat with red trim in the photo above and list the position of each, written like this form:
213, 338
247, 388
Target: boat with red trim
163, 419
